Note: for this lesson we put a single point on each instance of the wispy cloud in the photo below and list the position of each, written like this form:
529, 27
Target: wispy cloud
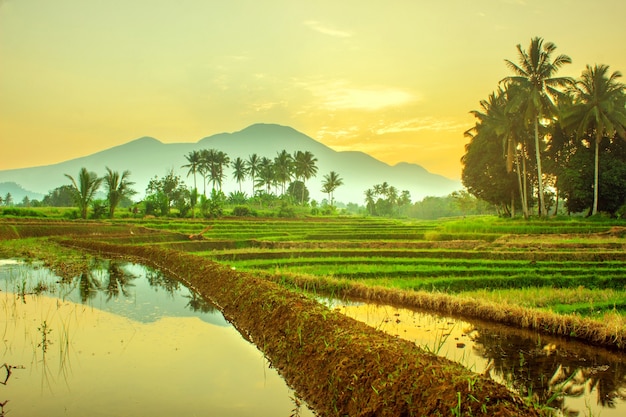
321, 28
339, 95
419, 124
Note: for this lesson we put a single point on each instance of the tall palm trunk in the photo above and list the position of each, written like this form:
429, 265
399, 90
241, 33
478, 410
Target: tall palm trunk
596, 169
542, 205
521, 174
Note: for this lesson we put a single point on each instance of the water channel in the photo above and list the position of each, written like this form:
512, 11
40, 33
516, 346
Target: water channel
572, 378
122, 339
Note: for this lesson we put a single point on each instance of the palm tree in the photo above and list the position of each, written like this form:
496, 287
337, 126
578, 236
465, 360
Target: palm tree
499, 119
252, 165
240, 172
204, 166
84, 189
283, 166
194, 159
370, 204
265, 174
598, 107
118, 187
534, 75
221, 160
305, 168
330, 184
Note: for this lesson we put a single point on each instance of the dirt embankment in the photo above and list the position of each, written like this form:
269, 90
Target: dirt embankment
341, 367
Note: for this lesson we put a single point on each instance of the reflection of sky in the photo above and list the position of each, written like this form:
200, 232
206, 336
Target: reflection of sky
102, 363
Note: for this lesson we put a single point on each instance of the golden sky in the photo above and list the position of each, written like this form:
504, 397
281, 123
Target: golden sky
395, 79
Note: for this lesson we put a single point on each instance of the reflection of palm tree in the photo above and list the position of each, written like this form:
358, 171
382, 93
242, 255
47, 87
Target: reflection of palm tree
197, 303
118, 281
529, 368
157, 279
88, 285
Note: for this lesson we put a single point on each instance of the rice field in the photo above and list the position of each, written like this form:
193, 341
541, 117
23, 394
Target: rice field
573, 266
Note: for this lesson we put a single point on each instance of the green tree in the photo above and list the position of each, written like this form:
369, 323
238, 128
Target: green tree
499, 120
331, 182
265, 174
484, 174
240, 171
305, 169
283, 169
194, 159
166, 192
84, 188
8, 200
598, 108
535, 75
62, 196
252, 165
117, 186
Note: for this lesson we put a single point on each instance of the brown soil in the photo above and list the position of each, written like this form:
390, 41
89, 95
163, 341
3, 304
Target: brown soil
340, 366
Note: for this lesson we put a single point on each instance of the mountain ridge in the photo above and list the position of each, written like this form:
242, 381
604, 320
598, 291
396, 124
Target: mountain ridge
147, 157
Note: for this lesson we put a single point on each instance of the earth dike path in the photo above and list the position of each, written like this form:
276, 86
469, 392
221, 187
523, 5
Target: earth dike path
339, 366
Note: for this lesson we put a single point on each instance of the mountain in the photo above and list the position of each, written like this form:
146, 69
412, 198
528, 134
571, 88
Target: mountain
148, 157
17, 192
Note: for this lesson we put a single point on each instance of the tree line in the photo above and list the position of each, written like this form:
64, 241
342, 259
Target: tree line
280, 179
540, 139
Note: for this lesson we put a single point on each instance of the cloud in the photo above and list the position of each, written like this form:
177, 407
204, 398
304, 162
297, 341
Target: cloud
419, 124
319, 27
338, 95
367, 98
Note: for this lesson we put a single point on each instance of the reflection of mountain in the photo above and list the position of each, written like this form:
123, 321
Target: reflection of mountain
147, 157
543, 369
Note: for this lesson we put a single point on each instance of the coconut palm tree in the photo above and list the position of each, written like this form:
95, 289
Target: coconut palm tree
194, 159
118, 187
221, 160
240, 172
599, 108
370, 204
252, 165
283, 168
499, 119
535, 75
265, 174
330, 184
84, 189
305, 168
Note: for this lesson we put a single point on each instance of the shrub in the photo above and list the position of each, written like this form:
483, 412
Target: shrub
241, 211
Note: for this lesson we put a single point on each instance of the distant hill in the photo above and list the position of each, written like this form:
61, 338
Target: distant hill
148, 157
17, 192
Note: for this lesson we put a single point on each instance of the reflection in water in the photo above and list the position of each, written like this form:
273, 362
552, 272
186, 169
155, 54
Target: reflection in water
573, 378
124, 340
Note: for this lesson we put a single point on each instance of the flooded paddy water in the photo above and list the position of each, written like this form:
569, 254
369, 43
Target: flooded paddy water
572, 378
122, 339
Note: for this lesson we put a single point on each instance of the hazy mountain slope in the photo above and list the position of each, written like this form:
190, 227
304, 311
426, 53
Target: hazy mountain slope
147, 157
17, 192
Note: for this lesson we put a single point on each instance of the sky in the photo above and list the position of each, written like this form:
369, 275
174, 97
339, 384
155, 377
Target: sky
395, 79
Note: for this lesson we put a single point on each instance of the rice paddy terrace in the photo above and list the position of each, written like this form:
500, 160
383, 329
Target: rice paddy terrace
553, 266
558, 277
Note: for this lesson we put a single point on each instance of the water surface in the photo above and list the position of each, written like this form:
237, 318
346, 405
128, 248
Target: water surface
573, 378
122, 339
